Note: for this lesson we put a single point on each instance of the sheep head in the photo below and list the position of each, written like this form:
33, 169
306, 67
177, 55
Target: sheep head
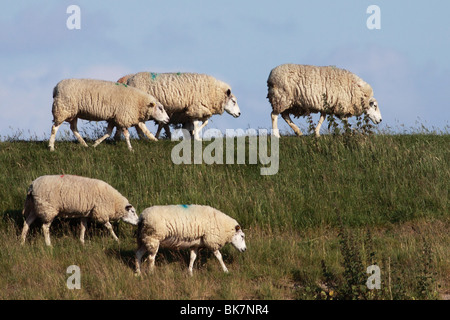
238, 239
373, 111
231, 105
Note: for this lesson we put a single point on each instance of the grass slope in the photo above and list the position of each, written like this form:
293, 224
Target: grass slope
336, 206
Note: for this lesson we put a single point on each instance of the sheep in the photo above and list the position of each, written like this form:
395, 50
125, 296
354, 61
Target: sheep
99, 100
187, 97
125, 78
186, 226
70, 196
300, 90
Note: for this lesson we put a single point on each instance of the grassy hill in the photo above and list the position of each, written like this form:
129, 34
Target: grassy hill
337, 205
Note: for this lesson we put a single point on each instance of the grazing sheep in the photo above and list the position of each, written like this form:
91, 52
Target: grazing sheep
71, 196
187, 97
99, 100
299, 90
186, 226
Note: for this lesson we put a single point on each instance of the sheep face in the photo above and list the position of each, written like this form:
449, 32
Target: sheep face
238, 239
231, 105
130, 215
159, 113
374, 112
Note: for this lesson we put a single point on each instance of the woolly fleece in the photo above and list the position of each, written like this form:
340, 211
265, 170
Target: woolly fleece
99, 100
300, 89
74, 196
185, 96
179, 224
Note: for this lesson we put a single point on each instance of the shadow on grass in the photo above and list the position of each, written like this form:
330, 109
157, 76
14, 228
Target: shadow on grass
169, 256
60, 227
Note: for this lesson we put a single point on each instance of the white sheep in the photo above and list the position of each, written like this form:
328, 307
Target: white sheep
299, 90
98, 100
71, 196
186, 227
187, 97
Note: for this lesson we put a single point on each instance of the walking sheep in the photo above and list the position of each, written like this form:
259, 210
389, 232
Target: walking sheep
300, 89
71, 196
187, 97
99, 100
186, 226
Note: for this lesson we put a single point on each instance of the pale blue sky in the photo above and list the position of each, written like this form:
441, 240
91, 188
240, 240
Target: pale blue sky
406, 62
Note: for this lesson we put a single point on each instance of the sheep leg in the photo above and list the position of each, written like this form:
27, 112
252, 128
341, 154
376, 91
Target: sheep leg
152, 257
158, 131
167, 131
317, 130
204, 124
147, 132
219, 257
26, 226
117, 134
275, 130
194, 252
139, 254
83, 226
110, 228
198, 128
108, 133
127, 138
46, 231
288, 120
152, 246
139, 131
74, 128
51, 143
188, 130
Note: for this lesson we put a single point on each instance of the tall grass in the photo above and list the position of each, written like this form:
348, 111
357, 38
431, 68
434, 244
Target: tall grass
393, 186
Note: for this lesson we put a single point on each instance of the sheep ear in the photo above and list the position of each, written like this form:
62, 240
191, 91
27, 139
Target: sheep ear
151, 105
228, 92
128, 207
237, 228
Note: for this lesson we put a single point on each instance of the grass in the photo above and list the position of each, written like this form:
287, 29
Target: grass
384, 195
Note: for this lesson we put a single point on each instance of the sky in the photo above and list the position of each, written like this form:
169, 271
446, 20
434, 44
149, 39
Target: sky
406, 61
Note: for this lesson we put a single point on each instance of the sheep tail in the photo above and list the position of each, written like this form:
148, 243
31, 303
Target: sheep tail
29, 202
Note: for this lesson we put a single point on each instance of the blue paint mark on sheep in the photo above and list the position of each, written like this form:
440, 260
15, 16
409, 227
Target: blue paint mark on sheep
153, 75
184, 206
